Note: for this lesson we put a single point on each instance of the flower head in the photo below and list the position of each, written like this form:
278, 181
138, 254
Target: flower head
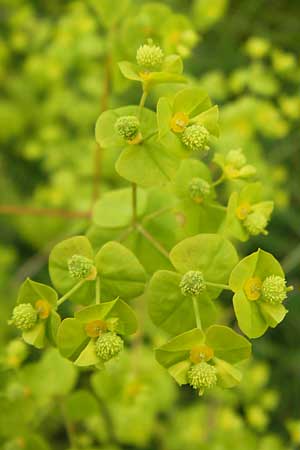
274, 289
202, 376
192, 283
24, 316
149, 55
108, 345
80, 267
255, 223
195, 138
127, 127
198, 189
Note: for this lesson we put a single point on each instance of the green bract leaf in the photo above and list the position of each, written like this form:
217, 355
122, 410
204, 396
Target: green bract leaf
211, 254
114, 209
228, 375
120, 272
32, 291
227, 344
170, 310
59, 271
254, 315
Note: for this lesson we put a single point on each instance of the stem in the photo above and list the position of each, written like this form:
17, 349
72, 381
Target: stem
98, 287
134, 204
219, 180
142, 103
108, 420
197, 313
218, 285
153, 241
19, 210
68, 426
157, 213
70, 292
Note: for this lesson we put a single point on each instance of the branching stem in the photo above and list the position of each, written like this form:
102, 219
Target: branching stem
70, 292
153, 241
197, 313
218, 285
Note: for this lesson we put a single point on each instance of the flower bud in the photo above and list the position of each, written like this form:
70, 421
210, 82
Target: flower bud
236, 158
127, 127
195, 138
192, 283
255, 223
149, 55
202, 376
274, 289
80, 267
108, 345
24, 316
198, 189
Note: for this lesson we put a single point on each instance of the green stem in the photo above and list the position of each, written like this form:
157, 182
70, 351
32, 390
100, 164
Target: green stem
98, 287
218, 285
142, 102
219, 180
153, 241
197, 313
157, 213
134, 204
70, 292
68, 426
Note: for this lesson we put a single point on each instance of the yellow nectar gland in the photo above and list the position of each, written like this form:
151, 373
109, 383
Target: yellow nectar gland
201, 353
252, 288
179, 122
136, 140
95, 328
145, 76
243, 210
231, 172
43, 308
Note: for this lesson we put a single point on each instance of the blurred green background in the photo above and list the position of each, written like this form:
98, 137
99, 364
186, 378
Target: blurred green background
58, 71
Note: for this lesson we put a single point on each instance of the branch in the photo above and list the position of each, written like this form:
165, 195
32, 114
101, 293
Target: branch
19, 210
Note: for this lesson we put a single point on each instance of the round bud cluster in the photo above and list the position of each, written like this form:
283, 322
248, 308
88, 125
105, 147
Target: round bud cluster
192, 283
24, 316
127, 127
108, 345
202, 376
255, 223
196, 138
274, 289
198, 189
149, 55
236, 158
80, 267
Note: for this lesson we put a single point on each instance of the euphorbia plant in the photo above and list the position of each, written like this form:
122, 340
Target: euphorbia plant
167, 237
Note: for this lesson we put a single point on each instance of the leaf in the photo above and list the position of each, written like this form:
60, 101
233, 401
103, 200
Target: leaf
164, 115
209, 253
155, 78
178, 348
80, 405
31, 291
227, 344
259, 264
88, 356
129, 70
191, 100
189, 169
179, 372
248, 315
170, 310
121, 273
117, 308
59, 272
172, 64
114, 209
36, 335
232, 226
210, 120
150, 163
71, 338
52, 325
228, 375
273, 314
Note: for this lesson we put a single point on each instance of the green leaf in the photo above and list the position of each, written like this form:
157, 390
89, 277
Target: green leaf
117, 308
249, 316
121, 273
155, 78
189, 169
210, 120
71, 338
228, 375
178, 348
191, 100
31, 291
52, 325
273, 314
151, 163
259, 264
129, 70
170, 310
164, 115
36, 335
114, 209
179, 372
232, 226
88, 356
209, 253
227, 344
80, 405
59, 272
172, 64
